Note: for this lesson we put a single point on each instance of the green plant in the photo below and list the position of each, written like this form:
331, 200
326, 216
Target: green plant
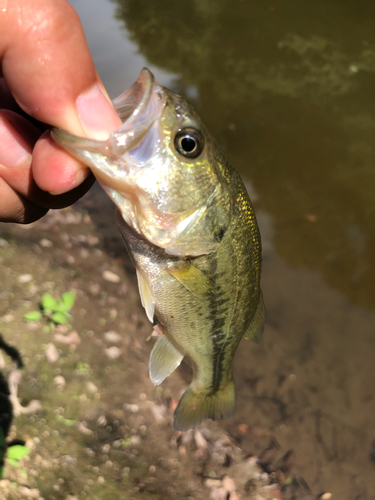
126, 442
55, 310
82, 368
2, 452
66, 421
15, 453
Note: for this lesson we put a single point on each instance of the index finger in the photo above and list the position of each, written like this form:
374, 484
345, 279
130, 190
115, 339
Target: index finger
48, 67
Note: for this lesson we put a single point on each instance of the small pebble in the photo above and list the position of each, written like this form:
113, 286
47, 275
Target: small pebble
105, 448
24, 278
132, 408
45, 243
113, 352
94, 288
158, 412
136, 440
112, 336
92, 240
326, 496
25, 492
7, 318
51, 353
102, 421
91, 387
218, 494
199, 440
72, 338
84, 429
212, 483
111, 277
3, 243
243, 428
83, 253
228, 484
32, 325
59, 381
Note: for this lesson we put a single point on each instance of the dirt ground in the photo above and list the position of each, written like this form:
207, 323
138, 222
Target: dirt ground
83, 402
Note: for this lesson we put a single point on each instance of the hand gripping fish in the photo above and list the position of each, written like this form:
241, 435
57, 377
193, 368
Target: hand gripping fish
188, 224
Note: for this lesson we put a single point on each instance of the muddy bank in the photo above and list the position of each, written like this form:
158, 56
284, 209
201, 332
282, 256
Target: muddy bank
83, 404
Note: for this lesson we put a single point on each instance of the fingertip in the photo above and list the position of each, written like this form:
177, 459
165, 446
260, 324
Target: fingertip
54, 170
96, 113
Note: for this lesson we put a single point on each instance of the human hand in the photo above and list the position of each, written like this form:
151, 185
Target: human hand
47, 78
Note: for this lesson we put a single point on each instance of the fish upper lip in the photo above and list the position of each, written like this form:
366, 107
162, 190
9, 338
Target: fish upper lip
135, 99
137, 110
138, 107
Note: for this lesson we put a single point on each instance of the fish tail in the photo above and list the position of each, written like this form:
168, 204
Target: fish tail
197, 405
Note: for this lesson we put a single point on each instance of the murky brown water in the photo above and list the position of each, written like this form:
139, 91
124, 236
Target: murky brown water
288, 89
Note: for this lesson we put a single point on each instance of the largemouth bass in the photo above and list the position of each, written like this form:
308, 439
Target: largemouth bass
188, 224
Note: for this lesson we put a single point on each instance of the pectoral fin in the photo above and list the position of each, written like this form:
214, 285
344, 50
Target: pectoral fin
146, 298
256, 326
192, 278
164, 359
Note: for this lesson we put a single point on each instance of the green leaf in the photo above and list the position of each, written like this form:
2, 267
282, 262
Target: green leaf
13, 462
83, 368
126, 442
32, 316
17, 452
66, 421
59, 318
68, 298
60, 307
48, 302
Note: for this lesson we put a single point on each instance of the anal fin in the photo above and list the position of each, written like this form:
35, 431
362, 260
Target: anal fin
164, 359
256, 327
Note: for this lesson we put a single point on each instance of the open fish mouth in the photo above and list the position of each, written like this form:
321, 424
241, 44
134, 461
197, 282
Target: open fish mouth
138, 108
136, 98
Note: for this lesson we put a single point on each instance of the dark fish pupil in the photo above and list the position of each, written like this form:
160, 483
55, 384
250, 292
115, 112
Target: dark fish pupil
188, 144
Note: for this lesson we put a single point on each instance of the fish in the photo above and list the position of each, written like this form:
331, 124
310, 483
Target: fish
190, 229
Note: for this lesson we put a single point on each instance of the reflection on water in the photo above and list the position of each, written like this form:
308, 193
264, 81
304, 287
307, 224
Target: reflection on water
293, 106
287, 88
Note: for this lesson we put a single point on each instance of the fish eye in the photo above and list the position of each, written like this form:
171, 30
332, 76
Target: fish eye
189, 143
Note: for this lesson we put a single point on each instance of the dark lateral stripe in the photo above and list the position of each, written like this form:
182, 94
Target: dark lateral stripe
217, 315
